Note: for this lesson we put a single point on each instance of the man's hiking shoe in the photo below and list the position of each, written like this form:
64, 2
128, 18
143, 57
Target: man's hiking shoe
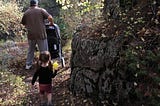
28, 67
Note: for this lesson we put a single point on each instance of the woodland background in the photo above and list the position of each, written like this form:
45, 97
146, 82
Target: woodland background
137, 20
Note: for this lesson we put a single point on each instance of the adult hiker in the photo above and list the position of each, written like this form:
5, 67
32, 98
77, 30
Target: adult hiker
34, 21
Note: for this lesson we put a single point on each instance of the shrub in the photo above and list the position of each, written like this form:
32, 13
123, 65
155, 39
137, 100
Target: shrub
10, 17
12, 87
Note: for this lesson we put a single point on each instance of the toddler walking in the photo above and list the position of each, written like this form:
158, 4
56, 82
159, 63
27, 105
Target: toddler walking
45, 73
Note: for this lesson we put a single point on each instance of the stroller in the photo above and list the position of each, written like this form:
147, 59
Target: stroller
54, 43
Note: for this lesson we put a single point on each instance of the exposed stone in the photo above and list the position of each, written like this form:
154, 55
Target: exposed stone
93, 72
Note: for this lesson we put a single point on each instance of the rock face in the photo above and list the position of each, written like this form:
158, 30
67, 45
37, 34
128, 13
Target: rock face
94, 69
117, 63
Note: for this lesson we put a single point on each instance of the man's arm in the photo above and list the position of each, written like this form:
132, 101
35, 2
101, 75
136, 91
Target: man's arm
50, 19
46, 15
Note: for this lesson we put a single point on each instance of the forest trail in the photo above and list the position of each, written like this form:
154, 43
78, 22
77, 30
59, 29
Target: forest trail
61, 94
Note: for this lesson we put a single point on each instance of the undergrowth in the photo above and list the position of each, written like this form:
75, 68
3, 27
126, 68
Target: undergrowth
12, 87
10, 16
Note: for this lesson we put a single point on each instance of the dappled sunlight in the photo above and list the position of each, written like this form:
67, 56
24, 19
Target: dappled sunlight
30, 97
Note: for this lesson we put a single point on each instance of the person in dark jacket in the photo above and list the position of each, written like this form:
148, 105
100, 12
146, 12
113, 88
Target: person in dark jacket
45, 72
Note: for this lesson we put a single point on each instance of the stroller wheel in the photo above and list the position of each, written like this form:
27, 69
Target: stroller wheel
63, 62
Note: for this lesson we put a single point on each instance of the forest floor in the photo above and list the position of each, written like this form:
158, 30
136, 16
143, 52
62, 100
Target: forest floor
61, 94
146, 38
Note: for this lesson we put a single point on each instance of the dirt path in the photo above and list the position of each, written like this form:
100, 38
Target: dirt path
61, 94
